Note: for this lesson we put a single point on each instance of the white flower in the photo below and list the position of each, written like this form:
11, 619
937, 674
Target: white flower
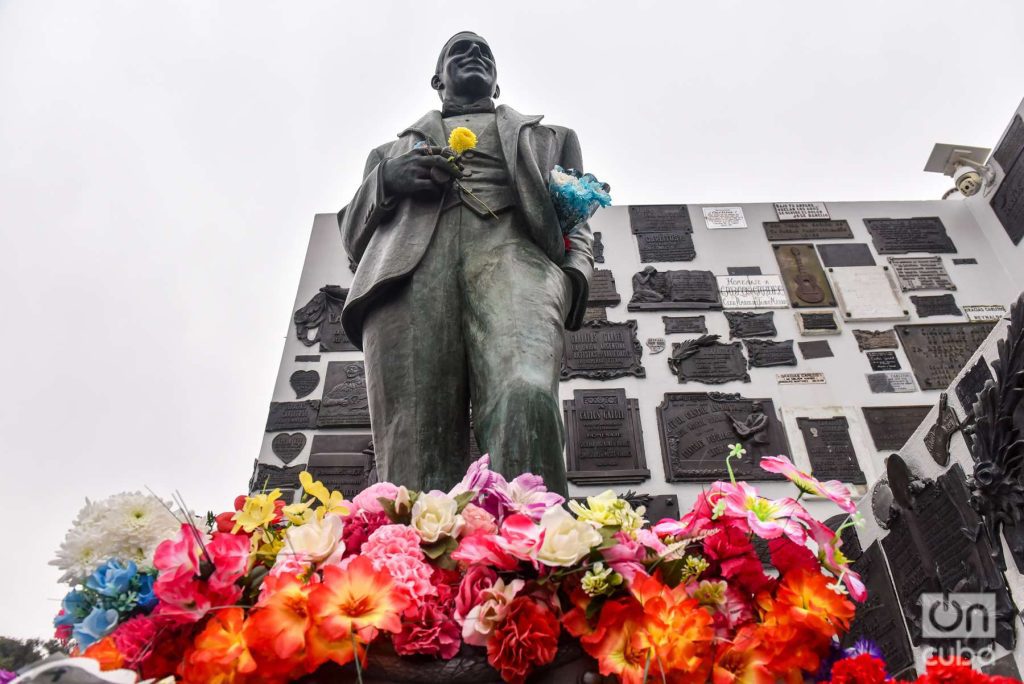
566, 539
482, 618
435, 515
318, 540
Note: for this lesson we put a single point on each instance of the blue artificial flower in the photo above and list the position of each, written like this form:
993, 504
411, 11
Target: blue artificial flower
576, 196
97, 625
112, 578
147, 598
76, 606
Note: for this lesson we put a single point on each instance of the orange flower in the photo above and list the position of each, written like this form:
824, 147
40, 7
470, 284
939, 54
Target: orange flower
279, 621
356, 600
219, 654
320, 649
617, 642
804, 598
678, 628
744, 661
106, 654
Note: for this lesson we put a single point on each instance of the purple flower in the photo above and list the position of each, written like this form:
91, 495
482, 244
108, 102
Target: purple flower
527, 495
865, 646
481, 480
7, 676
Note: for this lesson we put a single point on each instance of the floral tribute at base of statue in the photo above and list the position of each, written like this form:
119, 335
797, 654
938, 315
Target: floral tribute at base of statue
270, 591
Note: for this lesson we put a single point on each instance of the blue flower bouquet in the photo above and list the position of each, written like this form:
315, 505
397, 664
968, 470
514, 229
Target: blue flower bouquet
576, 196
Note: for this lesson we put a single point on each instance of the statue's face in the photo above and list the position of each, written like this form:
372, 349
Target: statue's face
468, 69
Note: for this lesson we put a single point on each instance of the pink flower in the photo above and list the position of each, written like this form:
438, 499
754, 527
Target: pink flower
477, 519
526, 495
178, 557
766, 518
429, 628
833, 490
396, 548
180, 593
230, 555
390, 540
480, 480
366, 500
477, 579
521, 536
834, 561
699, 519
626, 557
135, 639
485, 549
490, 612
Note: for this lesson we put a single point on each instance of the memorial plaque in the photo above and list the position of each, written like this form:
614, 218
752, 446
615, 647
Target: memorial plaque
750, 324
304, 382
716, 218
977, 313
921, 273
1008, 202
1011, 145
292, 415
889, 382
602, 350
817, 349
654, 218
679, 290
595, 313
602, 289
287, 446
892, 426
344, 463
662, 247
801, 211
813, 323
938, 352
307, 358
903, 235
783, 231
598, 248
804, 278
867, 293
656, 345
322, 316
753, 292
766, 353
693, 325
743, 270
697, 428
970, 261
805, 378
935, 305
345, 403
604, 442
846, 254
883, 361
267, 478
659, 507
830, 449
971, 383
707, 360
875, 339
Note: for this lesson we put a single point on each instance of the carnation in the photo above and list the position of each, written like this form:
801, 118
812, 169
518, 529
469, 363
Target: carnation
396, 548
860, 669
429, 628
358, 528
528, 638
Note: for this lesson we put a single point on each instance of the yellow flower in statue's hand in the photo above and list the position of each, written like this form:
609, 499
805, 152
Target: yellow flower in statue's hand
461, 139
257, 511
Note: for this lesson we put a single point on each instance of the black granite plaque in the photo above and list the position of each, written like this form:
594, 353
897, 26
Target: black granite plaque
323, 315
697, 428
602, 289
804, 278
1008, 202
903, 235
661, 247
743, 270
287, 446
938, 352
816, 349
266, 478
970, 385
875, 339
674, 290
921, 273
693, 325
830, 449
935, 305
602, 350
846, 254
595, 313
307, 358
658, 507
970, 261
292, 415
707, 360
344, 463
780, 231
1011, 145
818, 323
766, 353
604, 443
598, 248
345, 403
883, 360
654, 218
751, 324
891, 426
304, 382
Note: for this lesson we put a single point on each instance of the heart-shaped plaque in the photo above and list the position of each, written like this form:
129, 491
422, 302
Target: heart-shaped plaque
286, 447
304, 382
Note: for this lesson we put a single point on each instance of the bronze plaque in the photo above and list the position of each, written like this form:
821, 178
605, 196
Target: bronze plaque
1008, 202
804, 278
903, 235
743, 270
342, 462
674, 290
307, 358
1011, 145
602, 289
292, 415
598, 248
751, 324
266, 478
696, 429
971, 384
595, 313
602, 350
707, 360
875, 339
322, 316
780, 231
815, 349
883, 360
846, 254
660, 218
817, 323
830, 449
344, 403
967, 261
660, 247
604, 443
765, 353
304, 382
938, 352
287, 446
935, 305
693, 325
892, 426
921, 273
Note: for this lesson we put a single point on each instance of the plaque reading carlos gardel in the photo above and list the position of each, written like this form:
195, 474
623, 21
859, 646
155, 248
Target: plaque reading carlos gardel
604, 441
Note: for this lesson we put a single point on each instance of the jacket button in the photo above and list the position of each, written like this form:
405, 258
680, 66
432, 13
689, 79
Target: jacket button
469, 154
467, 174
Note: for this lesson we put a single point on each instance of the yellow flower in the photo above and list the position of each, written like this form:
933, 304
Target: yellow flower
257, 512
461, 139
606, 509
299, 513
330, 502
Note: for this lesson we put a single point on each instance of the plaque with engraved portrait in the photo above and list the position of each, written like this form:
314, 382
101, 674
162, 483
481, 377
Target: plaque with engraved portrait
604, 442
803, 276
655, 290
867, 293
344, 463
709, 361
345, 403
937, 352
602, 350
830, 449
904, 235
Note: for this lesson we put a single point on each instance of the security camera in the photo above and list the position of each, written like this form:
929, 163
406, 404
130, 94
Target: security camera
964, 164
969, 182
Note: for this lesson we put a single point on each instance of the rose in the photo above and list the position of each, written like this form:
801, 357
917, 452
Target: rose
482, 618
566, 539
526, 639
521, 537
436, 515
478, 520
367, 500
477, 579
316, 540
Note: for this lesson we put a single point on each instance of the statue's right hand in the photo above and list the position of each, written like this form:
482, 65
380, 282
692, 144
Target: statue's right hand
411, 172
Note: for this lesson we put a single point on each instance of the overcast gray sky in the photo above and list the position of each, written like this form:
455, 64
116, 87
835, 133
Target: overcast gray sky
161, 162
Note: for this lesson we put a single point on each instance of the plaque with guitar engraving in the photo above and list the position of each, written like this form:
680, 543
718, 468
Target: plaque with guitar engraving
604, 443
900, 236
654, 218
830, 449
938, 352
803, 276
342, 462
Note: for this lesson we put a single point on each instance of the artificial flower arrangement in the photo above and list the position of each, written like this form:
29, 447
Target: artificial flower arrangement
272, 591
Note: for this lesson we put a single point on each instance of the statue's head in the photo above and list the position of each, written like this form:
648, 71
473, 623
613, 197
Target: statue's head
465, 69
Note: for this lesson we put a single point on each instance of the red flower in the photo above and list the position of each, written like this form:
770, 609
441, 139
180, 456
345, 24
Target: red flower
568, 245
787, 555
731, 549
951, 671
861, 669
527, 638
358, 527
430, 629
478, 578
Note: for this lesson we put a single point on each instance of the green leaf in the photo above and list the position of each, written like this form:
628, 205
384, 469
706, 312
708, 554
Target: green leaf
440, 547
389, 508
464, 498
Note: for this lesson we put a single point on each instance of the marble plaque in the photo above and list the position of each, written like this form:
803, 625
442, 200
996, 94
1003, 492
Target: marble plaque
604, 442
938, 352
287, 446
602, 350
693, 325
595, 313
344, 463
875, 339
707, 360
846, 254
292, 415
883, 361
653, 218
921, 273
659, 247
813, 323
656, 345
830, 449
697, 428
321, 316
801, 211
1011, 145
345, 403
752, 292
903, 235
892, 426
888, 382
766, 353
867, 293
751, 324
803, 276
602, 289
935, 305
598, 248
303, 382
674, 290
804, 378
716, 218
977, 313
816, 349
784, 231
743, 270
971, 383
266, 478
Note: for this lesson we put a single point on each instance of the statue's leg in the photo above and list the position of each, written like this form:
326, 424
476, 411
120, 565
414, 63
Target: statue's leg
416, 373
515, 304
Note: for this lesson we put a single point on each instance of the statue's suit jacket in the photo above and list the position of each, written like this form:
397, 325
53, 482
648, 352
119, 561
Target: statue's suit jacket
388, 242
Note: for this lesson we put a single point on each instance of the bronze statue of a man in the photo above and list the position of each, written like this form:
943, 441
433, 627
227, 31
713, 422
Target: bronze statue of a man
463, 290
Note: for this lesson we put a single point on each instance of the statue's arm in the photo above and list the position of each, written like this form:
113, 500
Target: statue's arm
579, 260
367, 210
